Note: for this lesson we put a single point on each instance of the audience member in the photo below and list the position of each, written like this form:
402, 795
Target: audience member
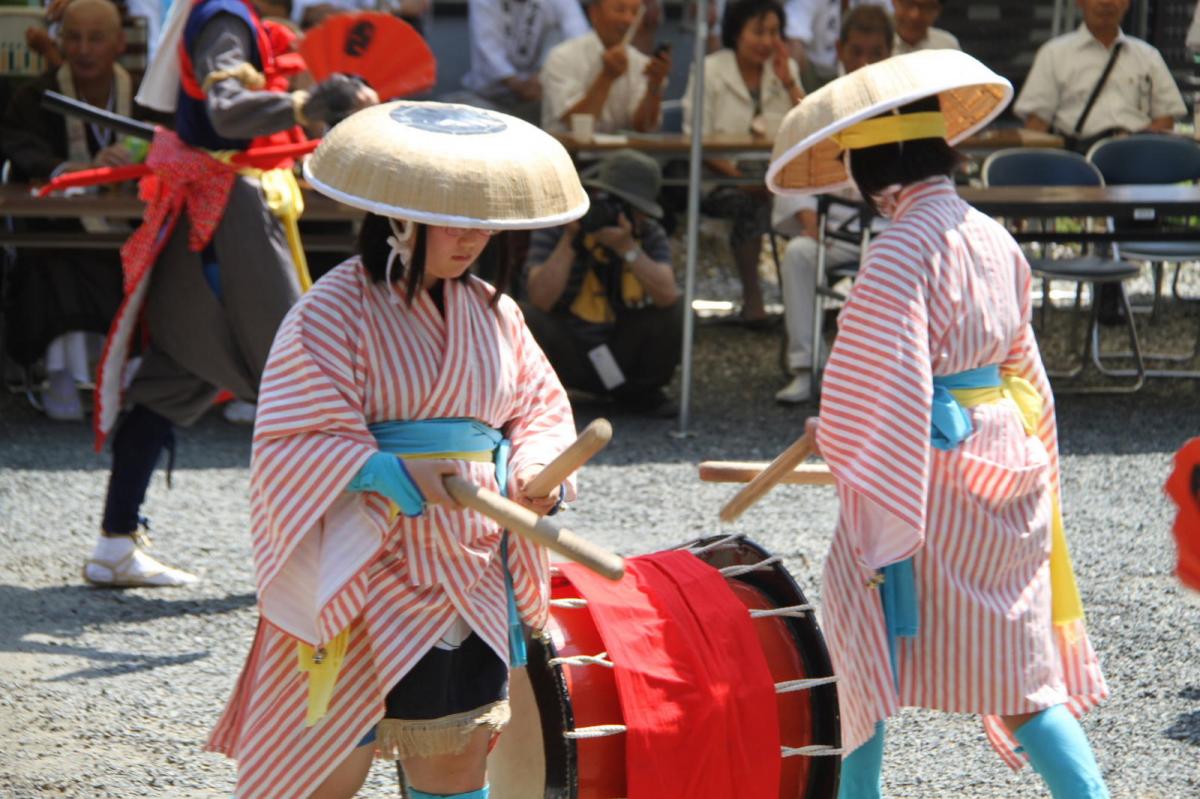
749, 85
914, 27
509, 41
56, 295
600, 74
812, 32
1133, 87
602, 298
866, 37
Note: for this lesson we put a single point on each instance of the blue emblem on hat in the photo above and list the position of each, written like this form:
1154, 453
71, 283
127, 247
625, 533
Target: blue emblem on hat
457, 120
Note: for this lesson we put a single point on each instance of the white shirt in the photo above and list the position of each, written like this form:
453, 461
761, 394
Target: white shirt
510, 38
300, 6
817, 24
570, 70
1193, 35
728, 106
935, 39
1065, 70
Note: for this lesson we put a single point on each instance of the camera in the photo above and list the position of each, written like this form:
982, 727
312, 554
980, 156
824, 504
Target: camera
604, 211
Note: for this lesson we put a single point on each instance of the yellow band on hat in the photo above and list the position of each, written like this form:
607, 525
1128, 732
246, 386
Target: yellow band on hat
894, 128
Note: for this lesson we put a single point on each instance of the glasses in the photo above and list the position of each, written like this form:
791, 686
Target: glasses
463, 232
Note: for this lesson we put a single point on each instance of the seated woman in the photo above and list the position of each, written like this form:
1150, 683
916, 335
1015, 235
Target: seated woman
749, 84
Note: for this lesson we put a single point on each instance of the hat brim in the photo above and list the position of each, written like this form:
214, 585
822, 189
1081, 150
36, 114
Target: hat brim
441, 219
645, 206
806, 160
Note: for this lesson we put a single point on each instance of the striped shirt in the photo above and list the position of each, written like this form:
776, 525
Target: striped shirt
351, 353
942, 290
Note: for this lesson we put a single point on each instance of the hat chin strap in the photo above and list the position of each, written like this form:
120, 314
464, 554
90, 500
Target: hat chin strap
401, 244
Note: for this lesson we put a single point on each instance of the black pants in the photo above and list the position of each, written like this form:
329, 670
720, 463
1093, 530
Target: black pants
645, 342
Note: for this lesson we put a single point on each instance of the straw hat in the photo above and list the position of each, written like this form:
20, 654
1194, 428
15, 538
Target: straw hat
808, 160
447, 164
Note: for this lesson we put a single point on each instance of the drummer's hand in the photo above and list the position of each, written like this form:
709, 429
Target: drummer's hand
428, 476
539, 505
810, 428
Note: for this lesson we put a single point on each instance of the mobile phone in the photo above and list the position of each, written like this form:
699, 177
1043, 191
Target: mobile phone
663, 48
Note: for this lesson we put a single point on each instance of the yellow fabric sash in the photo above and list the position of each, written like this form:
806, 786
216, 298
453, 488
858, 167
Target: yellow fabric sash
891, 129
323, 663
286, 202
1066, 605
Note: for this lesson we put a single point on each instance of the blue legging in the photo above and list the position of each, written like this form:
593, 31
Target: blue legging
862, 769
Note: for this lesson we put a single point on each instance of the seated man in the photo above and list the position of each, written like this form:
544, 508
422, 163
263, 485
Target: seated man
53, 294
598, 73
914, 27
602, 298
509, 40
1137, 93
866, 37
812, 32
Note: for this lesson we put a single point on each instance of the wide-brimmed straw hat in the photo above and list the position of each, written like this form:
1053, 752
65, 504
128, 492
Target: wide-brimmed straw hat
807, 157
447, 164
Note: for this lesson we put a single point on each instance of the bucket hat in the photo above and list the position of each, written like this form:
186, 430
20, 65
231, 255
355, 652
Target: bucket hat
807, 156
448, 164
634, 177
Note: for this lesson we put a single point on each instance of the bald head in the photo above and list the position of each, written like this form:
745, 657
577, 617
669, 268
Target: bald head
92, 39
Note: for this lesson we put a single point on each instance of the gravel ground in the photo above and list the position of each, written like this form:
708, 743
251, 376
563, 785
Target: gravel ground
110, 694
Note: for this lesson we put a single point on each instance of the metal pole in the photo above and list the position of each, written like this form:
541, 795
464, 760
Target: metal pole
693, 211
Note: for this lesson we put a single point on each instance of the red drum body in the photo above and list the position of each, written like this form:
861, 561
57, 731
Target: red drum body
566, 741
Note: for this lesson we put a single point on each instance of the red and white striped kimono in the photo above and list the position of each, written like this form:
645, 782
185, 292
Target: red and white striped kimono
351, 353
944, 289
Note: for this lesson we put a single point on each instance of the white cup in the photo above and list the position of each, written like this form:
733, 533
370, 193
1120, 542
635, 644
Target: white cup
582, 127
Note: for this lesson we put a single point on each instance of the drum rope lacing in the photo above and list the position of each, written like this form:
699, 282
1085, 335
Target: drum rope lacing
788, 686
815, 750
582, 660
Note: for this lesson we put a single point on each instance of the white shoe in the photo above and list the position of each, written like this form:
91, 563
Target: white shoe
121, 562
797, 391
238, 412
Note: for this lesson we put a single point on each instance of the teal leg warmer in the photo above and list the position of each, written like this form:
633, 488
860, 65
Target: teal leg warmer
862, 770
1060, 753
482, 793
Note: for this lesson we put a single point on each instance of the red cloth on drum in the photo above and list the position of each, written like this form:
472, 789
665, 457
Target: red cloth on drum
1181, 488
695, 689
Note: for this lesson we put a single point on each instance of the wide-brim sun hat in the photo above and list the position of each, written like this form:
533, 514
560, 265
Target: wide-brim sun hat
450, 165
634, 177
807, 157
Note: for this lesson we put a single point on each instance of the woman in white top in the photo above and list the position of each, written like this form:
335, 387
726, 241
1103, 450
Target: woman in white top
749, 85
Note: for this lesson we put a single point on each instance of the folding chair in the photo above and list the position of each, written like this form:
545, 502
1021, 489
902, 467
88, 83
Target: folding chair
1048, 167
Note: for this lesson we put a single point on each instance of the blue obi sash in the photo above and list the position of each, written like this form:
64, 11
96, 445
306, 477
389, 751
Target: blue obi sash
460, 439
950, 424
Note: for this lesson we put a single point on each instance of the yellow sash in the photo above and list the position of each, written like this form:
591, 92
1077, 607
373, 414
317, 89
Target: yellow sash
1066, 606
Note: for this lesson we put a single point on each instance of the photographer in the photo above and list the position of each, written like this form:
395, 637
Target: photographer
602, 300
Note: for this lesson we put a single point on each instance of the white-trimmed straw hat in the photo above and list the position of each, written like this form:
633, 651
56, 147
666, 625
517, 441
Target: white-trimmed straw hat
807, 157
448, 164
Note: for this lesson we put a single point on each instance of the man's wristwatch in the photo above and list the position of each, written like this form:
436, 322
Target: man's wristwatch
631, 255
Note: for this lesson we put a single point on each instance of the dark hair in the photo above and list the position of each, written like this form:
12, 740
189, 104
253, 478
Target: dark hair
868, 19
902, 163
740, 12
493, 263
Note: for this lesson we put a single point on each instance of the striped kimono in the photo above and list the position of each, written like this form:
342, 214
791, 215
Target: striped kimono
351, 353
943, 290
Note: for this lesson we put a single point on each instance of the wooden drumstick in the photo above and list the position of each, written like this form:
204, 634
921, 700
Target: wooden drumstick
539, 529
815, 474
765, 480
594, 438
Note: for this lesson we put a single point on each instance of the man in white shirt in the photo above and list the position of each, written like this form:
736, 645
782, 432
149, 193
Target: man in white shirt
812, 34
1138, 95
914, 27
600, 74
509, 40
866, 37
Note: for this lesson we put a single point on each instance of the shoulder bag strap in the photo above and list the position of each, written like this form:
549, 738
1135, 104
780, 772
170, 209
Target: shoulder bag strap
1087, 109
